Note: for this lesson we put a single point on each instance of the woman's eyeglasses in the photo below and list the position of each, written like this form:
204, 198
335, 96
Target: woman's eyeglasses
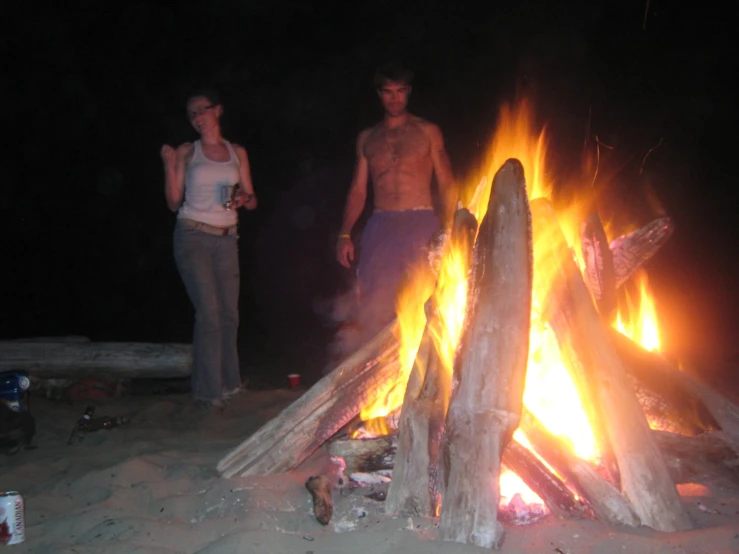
200, 111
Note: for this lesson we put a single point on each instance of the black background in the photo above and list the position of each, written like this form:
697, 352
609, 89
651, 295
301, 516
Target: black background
93, 90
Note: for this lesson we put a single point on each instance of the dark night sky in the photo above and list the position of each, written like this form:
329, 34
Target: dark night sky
94, 91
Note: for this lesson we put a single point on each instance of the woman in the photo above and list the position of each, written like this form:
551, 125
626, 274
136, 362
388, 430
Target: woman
200, 184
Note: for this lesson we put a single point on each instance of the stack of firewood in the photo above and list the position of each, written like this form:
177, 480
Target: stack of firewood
451, 447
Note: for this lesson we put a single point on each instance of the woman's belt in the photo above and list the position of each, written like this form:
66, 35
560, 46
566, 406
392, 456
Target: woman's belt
210, 229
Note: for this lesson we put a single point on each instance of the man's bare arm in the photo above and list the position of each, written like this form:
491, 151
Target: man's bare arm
448, 193
358, 190
354, 205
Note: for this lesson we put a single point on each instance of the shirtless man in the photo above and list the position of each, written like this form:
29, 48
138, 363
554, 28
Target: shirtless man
400, 155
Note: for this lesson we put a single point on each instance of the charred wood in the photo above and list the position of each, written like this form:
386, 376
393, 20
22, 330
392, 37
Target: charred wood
366, 455
549, 487
605, 500
320, 490
705, 458
599, 272
414, 489
690, 401
632, 250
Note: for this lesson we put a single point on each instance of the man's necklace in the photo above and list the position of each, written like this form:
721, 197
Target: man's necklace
392, 149
398, 131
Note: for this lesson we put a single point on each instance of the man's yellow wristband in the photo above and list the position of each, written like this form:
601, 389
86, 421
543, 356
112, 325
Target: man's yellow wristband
345, 236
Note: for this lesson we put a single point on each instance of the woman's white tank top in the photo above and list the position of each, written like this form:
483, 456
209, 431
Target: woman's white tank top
205, 181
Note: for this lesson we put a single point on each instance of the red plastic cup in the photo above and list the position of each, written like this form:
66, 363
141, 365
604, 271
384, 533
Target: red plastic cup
294, 379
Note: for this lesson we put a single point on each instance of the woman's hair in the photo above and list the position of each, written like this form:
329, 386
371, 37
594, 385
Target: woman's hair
204, 92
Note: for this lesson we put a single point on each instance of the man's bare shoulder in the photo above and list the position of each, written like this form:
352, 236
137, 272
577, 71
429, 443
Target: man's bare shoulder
364, 134
430, 128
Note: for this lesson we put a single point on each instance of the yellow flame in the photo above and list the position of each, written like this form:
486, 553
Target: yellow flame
515, 137
411, 322
551, 395
637, 319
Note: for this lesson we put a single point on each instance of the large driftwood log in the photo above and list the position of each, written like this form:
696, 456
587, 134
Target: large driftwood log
607, 502
485, 406
414, 490
288, 439
73, 358
644, 476
689, 394
60, 338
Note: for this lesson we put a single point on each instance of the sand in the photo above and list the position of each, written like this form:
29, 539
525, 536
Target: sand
151, 487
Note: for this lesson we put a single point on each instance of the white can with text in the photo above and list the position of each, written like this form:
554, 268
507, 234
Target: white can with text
12, 521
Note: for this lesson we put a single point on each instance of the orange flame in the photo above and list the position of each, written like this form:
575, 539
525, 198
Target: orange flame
637, 319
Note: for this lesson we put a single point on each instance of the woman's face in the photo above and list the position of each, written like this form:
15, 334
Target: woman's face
203, 114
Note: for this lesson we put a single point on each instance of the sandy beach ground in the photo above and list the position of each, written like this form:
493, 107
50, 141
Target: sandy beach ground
151, 487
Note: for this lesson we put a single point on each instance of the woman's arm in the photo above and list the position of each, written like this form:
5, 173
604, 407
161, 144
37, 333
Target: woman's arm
246, 197
175, 162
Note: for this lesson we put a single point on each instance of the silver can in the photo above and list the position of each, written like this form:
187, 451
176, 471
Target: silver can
228, 195
12, 521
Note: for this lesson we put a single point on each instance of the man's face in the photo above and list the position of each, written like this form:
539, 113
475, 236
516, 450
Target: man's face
394, 97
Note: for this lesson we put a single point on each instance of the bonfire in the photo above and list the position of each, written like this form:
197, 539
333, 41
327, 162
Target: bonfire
517, 382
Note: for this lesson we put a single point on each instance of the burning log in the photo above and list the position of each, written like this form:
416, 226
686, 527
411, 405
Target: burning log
644, 476
288, 439
485, 406
599, 273
366, 455
320, 490
705, 458
414, 489
632, 250
540, 479
558, 311
607, 502
682, 389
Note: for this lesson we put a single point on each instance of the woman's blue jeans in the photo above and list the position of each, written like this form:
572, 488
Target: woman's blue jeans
209, 267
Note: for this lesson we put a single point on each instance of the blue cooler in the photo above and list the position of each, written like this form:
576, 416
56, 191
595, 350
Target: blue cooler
14, 387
